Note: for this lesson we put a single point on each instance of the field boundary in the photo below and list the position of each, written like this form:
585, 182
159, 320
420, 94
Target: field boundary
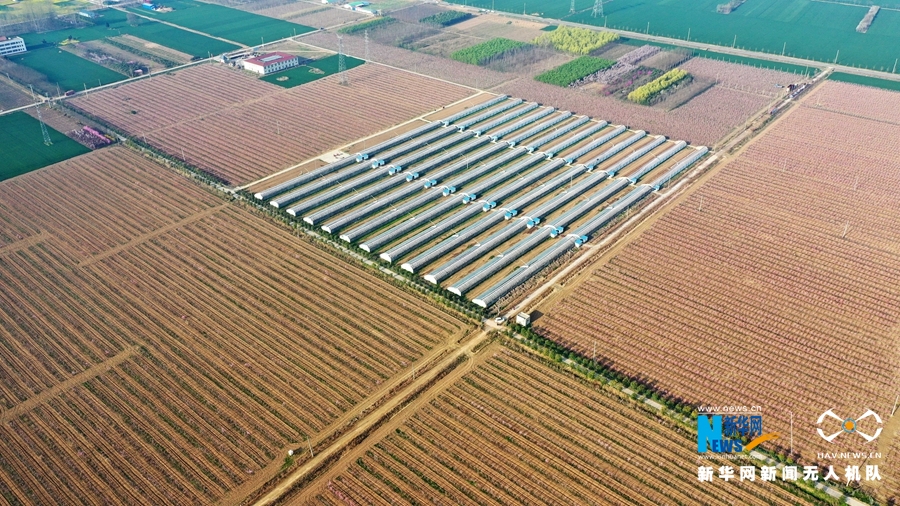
424, 384
86, 375
27, 242
150, 235
540, 297
348, 419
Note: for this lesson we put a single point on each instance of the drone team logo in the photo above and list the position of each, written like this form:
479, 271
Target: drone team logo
849, 425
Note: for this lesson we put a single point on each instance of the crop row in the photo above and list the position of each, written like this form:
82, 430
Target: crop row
110, 183
703, 120
644, 94
370, 24
513, 431
416, 61
242, 141
446, 18
245, 339
49, 331
762, 263
857, 100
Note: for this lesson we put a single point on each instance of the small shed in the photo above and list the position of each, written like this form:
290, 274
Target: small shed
523, 319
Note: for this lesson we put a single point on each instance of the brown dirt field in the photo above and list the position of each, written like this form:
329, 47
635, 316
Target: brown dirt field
230, 129
11, 96
122, 55
153, 48
488, 26
781, 258
416, 12
163, 346
512, 430
441, 68
326, 18
704, 120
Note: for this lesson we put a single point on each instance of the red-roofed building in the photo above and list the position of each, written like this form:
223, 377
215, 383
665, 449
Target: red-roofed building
271, 62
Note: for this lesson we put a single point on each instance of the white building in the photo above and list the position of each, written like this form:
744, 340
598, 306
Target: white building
523, 319
11, 46
271, 62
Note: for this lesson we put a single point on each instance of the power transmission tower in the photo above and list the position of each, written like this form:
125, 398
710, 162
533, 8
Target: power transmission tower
367, 45
46, 134
598, 9
47, 140
342, 65
572, 7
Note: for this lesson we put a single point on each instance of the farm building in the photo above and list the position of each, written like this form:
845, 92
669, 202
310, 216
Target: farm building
357, 6
10, 46
271, 62
523, 319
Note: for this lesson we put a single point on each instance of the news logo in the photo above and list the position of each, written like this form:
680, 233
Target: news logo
723, 433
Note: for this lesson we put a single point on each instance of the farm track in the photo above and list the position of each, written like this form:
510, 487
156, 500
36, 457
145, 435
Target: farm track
168, 354
375, 419
510, 430
81, 377
150, 235
26, 243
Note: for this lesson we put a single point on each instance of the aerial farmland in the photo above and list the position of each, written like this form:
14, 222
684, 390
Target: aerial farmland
397, 252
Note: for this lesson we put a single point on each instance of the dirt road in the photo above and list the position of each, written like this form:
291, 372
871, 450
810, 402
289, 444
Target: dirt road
376, 417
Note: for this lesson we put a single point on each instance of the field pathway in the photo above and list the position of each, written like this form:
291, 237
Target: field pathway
86, 375
407, 400
359, 411
150, 235
27, 242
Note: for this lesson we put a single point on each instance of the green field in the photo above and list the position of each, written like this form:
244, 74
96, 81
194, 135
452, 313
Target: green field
568, 73
191, 43
24, 149
69, 71
302, 75
230, 24
802, 28
868, 81
481, 53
